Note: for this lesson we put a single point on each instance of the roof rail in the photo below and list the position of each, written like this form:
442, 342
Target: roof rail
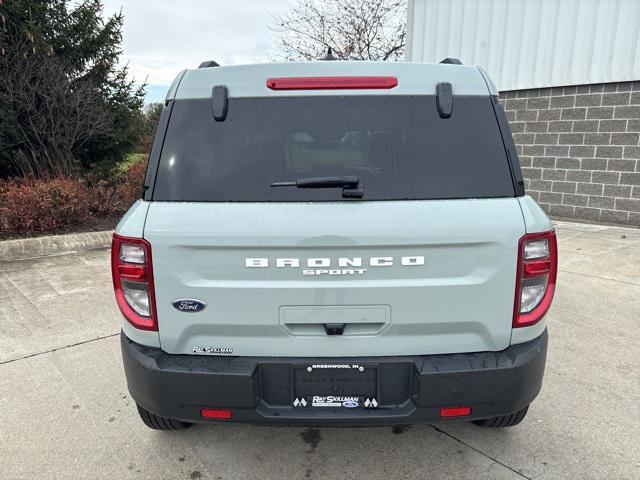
209, 63
451, 61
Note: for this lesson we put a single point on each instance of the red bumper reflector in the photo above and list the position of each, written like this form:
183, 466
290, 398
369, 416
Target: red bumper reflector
331, 83
216, 414
455, 412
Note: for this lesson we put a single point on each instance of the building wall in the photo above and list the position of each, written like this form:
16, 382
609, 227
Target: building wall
569, 73
530, 43
579, 148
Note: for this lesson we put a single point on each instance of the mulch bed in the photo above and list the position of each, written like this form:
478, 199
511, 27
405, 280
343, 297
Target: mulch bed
91, 224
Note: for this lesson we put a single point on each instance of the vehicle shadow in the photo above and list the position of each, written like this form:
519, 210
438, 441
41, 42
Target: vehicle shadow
420, 451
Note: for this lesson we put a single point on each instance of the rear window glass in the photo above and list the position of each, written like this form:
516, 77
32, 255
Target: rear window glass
397, 146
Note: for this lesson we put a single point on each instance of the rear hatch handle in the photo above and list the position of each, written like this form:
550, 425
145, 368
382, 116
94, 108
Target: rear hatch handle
334, 328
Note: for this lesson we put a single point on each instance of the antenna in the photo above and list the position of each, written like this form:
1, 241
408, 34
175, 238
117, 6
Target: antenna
329, 56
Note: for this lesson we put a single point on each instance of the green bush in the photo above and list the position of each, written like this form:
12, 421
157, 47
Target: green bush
67, 103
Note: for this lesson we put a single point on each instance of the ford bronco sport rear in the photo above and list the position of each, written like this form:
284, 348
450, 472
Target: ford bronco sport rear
334, 243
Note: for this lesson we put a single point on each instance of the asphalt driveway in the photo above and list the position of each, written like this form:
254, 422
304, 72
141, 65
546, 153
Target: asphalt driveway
65, 411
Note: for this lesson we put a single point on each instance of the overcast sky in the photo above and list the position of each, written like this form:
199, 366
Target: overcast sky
163, 37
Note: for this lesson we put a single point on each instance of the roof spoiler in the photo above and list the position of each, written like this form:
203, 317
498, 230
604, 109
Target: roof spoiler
208, 64
451, 61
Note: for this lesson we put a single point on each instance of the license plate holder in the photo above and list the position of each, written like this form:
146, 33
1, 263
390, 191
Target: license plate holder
332, 385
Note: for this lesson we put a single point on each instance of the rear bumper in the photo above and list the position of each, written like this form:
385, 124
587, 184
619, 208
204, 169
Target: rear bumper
260, 390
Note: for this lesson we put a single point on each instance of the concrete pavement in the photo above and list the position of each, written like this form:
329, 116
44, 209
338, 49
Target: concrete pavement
65, 411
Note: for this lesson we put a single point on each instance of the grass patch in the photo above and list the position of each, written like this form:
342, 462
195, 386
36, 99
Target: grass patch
129, 161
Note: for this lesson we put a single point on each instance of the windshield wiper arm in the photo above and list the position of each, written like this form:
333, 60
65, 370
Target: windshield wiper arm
321, 182
350, 184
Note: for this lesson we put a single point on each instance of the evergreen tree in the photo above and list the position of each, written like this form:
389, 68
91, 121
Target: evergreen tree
69, 51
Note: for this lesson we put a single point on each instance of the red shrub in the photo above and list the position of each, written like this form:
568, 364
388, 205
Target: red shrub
131, 185
32, 206
104, 195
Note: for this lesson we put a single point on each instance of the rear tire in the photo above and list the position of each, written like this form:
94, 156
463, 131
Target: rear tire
160, 423
503, 421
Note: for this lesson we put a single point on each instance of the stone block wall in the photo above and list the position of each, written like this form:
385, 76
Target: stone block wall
579, 148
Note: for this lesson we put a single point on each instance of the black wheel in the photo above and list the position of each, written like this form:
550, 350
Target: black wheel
504, 420
160, 423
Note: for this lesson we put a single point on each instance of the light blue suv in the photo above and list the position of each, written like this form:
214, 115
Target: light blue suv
334, 243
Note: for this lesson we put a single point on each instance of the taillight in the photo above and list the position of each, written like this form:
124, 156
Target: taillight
332, 83
536, 277
133, 281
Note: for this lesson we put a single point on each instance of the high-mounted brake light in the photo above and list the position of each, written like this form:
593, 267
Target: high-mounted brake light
133, 281
332, 83
536, 277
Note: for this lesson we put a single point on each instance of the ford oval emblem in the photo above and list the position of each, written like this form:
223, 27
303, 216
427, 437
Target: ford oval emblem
350, 404
188, 305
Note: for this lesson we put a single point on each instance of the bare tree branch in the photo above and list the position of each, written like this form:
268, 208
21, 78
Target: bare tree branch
354, 29
56, 115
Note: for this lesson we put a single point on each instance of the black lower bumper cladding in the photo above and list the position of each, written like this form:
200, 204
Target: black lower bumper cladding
263, 390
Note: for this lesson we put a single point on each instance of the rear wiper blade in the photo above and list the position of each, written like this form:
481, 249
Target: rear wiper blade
321, 182
350, 184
